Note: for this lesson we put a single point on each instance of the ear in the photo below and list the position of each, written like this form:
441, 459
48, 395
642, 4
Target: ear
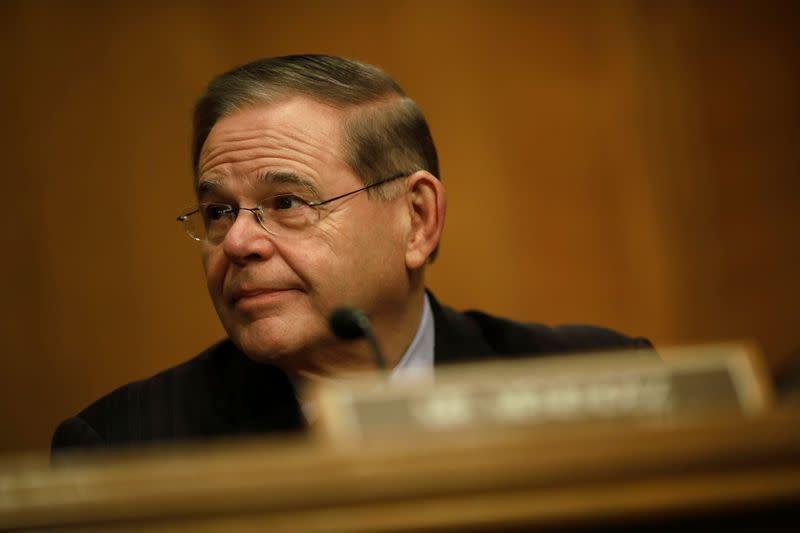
427, 205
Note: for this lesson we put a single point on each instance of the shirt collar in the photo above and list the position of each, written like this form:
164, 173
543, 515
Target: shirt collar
417, 362
415, 365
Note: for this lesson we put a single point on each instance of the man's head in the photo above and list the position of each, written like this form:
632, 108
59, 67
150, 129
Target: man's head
311, 128
385, 131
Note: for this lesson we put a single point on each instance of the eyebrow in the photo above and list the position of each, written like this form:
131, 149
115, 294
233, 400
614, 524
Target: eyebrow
206, 186
270, 177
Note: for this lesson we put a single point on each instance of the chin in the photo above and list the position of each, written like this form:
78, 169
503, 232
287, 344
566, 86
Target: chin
271, 340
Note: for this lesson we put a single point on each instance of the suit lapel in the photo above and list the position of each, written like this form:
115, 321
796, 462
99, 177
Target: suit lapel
258, 397
458, 338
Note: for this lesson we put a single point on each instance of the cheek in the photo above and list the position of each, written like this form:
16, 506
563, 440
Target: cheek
324, 263
374, 247
383, 232
318, 265
214, 265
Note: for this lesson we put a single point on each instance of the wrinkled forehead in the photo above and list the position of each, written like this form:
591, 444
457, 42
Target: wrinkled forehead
296, 135
298, 116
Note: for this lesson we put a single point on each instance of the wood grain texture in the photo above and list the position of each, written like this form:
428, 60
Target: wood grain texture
628, 164
610, 474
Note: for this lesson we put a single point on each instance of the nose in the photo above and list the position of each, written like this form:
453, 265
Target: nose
246, 239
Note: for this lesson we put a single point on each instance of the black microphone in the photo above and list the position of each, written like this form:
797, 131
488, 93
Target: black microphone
350, 323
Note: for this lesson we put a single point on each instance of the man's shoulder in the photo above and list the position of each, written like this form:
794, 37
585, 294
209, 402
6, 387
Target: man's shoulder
120, 415
506, 335
472, 334
197, 368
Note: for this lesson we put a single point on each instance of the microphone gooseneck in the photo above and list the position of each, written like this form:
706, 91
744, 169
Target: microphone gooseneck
350, 323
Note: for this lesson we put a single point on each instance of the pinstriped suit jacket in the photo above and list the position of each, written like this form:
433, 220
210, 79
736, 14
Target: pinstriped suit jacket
222, 393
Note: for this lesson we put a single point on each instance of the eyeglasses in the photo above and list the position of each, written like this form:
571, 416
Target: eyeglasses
285, 214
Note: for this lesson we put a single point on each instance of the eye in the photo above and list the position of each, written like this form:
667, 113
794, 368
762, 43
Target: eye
284, 202
213, 212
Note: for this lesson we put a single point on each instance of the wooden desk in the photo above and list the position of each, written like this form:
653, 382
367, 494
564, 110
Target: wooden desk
722, 468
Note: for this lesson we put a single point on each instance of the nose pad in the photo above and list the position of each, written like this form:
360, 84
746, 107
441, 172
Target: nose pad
246, 241
258, 212
237, 222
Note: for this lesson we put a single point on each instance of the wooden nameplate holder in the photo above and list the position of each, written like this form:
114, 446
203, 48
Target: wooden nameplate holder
576, 388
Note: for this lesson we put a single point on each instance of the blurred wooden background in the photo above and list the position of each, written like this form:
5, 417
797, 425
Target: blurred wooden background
624, 163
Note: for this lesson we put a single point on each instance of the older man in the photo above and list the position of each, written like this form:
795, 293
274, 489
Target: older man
318, 186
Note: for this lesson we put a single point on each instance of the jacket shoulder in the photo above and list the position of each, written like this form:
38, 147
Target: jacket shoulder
509, 336
140, 410
476, 335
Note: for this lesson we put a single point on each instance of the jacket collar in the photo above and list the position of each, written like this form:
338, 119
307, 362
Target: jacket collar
458, 337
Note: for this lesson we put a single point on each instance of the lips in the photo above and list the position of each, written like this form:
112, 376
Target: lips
248, 295
244, 294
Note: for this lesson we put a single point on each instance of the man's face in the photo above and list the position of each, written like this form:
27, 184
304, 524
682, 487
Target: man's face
274, 294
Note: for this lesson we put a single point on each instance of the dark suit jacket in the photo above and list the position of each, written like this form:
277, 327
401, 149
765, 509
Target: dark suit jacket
223, 393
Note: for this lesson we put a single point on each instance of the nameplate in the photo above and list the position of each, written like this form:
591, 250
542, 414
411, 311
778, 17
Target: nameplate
549, 390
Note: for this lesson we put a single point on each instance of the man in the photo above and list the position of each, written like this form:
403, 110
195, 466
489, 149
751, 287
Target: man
318, 186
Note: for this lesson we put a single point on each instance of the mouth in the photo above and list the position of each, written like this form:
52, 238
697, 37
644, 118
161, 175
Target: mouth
253, 298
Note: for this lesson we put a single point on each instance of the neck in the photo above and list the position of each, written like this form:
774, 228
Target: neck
341, 359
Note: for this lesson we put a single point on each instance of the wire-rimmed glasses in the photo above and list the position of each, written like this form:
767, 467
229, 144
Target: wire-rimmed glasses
283, 214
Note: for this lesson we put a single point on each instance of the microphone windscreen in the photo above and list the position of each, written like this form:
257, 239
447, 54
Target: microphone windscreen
349, 323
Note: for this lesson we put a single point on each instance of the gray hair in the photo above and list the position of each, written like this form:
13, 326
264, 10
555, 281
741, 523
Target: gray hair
385, 132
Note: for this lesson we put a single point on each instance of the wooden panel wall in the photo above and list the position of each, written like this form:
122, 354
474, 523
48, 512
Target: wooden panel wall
629, 164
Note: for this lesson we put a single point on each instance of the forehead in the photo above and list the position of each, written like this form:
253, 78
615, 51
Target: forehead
295, 135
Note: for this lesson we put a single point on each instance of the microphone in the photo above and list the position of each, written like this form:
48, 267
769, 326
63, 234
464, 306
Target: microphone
350, 323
